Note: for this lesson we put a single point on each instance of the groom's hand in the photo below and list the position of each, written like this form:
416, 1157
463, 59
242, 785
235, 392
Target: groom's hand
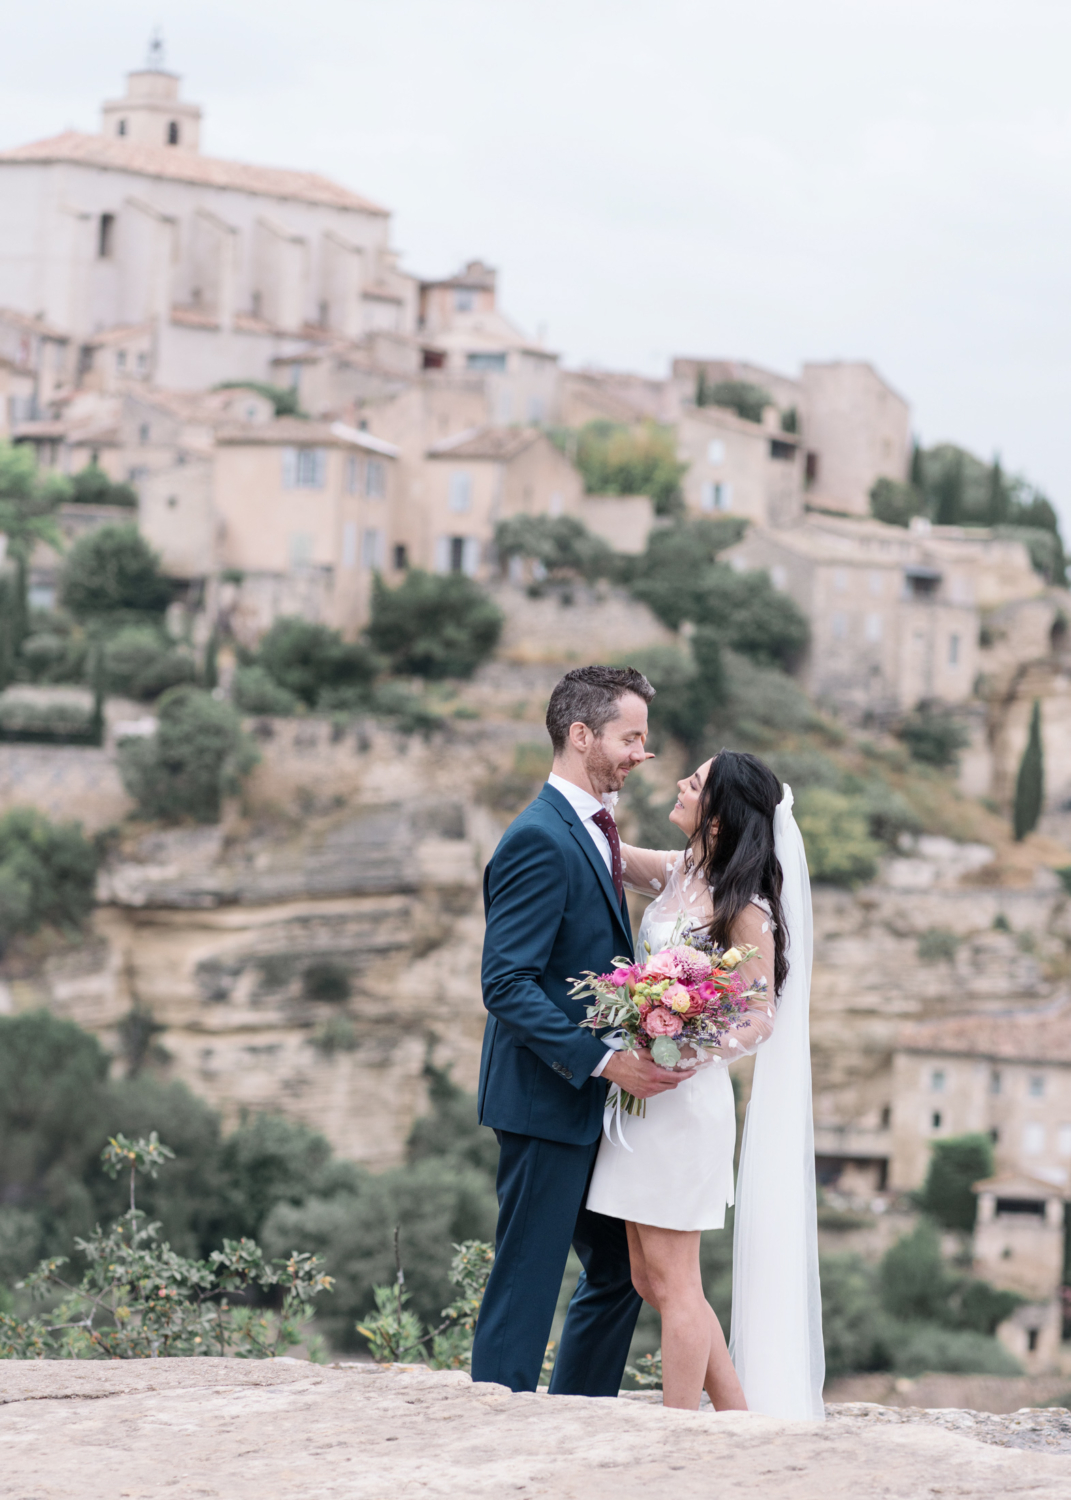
638, 1075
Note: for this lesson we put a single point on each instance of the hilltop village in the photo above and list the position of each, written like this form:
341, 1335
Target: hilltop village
232, 359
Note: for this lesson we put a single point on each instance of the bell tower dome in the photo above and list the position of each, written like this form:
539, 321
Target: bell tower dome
152, 114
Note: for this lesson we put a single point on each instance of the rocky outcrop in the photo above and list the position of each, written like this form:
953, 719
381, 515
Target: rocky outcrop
308, 953
236, 1428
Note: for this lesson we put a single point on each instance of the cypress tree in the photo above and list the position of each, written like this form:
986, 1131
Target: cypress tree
1030, 782
950, 493
211, 668
918, 479
702, 396
997, 508
96, 723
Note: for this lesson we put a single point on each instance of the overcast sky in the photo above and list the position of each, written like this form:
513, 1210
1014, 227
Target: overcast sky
767, 179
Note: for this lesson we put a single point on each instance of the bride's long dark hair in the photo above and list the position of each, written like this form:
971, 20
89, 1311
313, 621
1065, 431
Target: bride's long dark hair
737, 857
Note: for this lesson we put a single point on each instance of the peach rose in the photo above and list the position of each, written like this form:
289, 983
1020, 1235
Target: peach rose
662, 1022
677, 999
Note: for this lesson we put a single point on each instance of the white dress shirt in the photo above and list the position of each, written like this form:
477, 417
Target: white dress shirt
586, 804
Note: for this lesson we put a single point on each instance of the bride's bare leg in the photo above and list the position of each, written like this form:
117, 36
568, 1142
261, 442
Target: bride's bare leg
671, 1271
719, 1378
721, 1383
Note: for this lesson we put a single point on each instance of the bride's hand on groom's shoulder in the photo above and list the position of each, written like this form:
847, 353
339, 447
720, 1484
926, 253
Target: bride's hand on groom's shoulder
636, 1074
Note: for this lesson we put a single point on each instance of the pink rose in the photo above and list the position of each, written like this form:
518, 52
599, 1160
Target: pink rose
677, 999
621, 977
663, 965
662, 1022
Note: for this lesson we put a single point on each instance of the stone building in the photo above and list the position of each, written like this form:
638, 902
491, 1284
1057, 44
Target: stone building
1019, 1247
895, 613
464, 332
472, 481
1006, 1075
735, 467
854, 427
210, 269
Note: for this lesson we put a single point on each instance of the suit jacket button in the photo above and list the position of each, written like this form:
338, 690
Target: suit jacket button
566, 1073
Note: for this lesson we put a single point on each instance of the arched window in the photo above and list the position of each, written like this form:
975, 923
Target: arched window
173, 133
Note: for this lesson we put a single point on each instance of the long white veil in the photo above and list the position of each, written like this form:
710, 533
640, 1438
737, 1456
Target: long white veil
776, 1342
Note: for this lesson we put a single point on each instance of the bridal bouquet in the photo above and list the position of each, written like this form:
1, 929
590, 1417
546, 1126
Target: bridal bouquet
686, 995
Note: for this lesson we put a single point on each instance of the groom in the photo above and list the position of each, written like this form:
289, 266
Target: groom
555, 905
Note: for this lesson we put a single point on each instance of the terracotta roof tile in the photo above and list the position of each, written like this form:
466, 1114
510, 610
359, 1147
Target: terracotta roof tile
1026, 1036
115, 155
499, 444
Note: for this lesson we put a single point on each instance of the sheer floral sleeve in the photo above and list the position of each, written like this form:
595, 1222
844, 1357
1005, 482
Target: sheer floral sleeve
753, 930
648, 871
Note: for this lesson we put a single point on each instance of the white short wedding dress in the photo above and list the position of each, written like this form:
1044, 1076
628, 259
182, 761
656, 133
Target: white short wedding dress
673, 1166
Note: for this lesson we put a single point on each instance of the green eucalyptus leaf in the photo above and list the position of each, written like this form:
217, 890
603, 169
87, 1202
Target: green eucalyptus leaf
665, 1052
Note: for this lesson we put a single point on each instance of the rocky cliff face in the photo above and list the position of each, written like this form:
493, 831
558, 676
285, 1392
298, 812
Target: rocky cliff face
312, 951
308, 954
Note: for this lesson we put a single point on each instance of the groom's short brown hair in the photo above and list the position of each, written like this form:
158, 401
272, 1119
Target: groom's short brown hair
588, 695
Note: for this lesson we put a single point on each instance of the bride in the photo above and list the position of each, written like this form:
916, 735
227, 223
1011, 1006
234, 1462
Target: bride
669, 1173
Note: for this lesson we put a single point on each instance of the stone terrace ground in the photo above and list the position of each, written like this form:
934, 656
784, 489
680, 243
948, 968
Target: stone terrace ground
235, 1429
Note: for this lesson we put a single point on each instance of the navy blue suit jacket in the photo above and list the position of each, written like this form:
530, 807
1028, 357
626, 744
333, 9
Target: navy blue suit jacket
552, 912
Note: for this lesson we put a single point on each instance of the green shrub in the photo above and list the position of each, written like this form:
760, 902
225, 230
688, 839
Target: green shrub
753, 618
913, 1279
113, 571
744, 397
681, 706
450, 1131
326, 979
919, 1349
934, 735
311, 661
434, 625
889, 815
118, 1309
198, 755
47, 873
91, 486
618, 460
937, 945
762, 705
284, 398
52, 651
43, 719
436, 1204
139, 662
955, 1164
561, 544
855, 1328
895, 503
679, 579
836, 833
409, 712
257, 692
805, 768
670, 575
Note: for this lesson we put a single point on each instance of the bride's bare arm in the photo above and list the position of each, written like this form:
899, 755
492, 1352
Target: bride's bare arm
647, 870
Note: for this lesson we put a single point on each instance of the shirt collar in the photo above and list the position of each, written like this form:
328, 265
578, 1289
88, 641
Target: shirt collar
580, 801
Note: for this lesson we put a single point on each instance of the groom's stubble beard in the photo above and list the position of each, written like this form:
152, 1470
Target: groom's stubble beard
605, 773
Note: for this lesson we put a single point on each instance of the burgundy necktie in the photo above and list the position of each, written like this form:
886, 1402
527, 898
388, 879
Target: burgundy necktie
603, 820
